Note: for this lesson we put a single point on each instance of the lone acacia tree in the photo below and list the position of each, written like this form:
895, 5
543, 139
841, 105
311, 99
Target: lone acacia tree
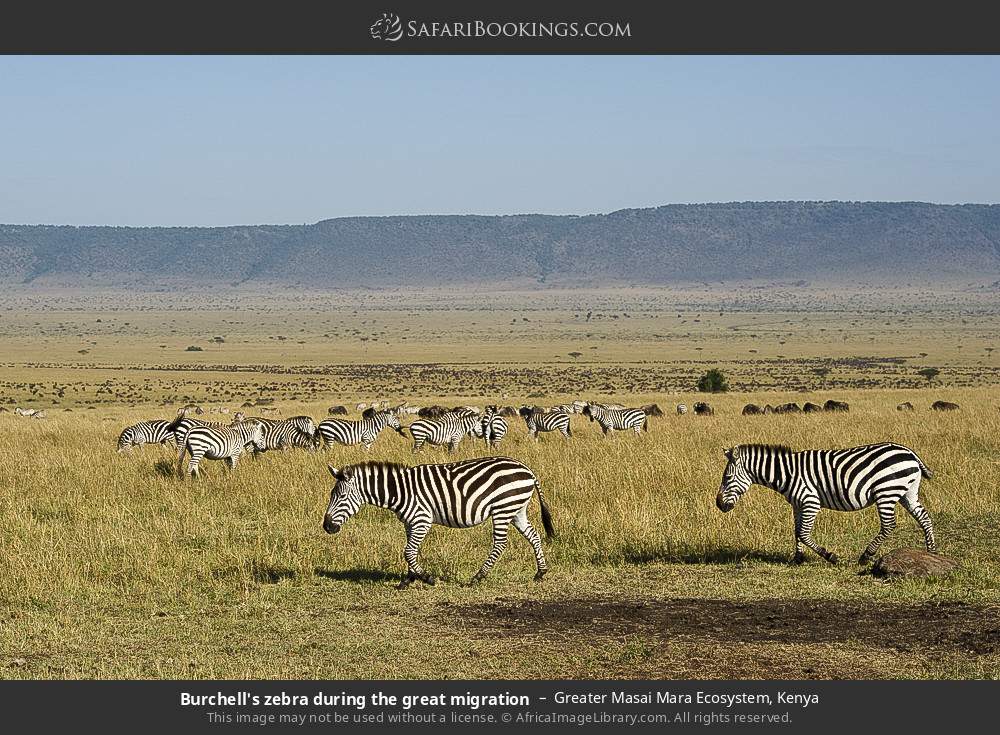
713, 381
929, 372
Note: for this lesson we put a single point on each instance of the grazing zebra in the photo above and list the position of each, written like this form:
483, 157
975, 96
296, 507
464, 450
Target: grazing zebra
841, 479
537, 421
681, 409
220, 442
298, 431
146, 432
183, 423
617, 419
365, 431
457, 494
494, 426
449, 429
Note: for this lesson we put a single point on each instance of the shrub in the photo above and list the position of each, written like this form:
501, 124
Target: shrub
714, 381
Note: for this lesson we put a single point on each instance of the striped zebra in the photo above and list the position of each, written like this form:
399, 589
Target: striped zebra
842, 479
183, 423
617, 419
537, 421
225, 442
146, 432
494, 426
297, 431
449, 429
457, 494
365, 431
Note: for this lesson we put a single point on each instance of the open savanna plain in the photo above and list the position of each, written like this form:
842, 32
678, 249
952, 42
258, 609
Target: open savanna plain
113, 567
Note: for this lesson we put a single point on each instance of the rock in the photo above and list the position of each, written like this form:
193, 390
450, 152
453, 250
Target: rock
913, 563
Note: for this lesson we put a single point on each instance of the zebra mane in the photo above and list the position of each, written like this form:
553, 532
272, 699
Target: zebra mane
375, 464
776, 448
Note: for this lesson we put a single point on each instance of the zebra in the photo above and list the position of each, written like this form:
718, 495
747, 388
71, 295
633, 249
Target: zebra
617, 419
449, 429
365, 431
681, 409
456, 494
146, 432
537, 421
841, 479
494, 426
298, 431
220, 442
183, 423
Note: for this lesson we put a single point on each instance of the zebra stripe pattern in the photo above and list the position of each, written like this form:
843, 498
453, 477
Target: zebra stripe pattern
537, 421
146, 432
213, 442
616, 419
365, 431
449, 429
182, 424
842, 479
457, 494
298, 431
494, 426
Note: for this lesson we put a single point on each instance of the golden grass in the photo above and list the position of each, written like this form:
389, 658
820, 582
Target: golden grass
115, 568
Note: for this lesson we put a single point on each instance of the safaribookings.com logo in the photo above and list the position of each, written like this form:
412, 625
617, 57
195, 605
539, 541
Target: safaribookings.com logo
390, 28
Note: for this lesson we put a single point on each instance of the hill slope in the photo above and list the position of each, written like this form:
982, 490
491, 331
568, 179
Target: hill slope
675, 243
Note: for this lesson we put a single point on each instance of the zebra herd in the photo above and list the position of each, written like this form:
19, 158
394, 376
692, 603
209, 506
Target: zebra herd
467, 493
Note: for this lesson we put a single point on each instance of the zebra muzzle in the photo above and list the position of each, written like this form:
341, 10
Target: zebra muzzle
724, 505
329, 526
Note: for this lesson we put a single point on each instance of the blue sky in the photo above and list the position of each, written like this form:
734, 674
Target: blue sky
247, 140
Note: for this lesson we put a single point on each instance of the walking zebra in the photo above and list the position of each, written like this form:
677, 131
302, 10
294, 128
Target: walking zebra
449, 429
616, 419
297, 431
494, 426
183, 423
841, 479
365, 431
537, 421
457, 494
146, 432
220, 442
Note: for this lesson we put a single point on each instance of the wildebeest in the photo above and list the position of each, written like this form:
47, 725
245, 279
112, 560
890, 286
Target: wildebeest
768, 408
508, 411
788, 408
703, 409
337, 411
833, 405
811, 407
905, 406
944, 406
433, 412
752, 409
651, 409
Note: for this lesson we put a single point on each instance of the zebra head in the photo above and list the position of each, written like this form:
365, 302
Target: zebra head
345, 499
588, 411
736, 480
392, 421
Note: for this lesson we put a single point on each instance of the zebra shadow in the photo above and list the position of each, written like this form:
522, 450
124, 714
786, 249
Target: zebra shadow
165, 468
359, 576
719, 555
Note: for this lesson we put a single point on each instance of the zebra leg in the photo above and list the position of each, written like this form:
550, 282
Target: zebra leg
232, 460
193, 470
887, 519
921, 516
415, 534
805, 519
500, 529
522, 524
452, 444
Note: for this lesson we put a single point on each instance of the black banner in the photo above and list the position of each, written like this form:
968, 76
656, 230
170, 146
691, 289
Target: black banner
535, 706
518, 27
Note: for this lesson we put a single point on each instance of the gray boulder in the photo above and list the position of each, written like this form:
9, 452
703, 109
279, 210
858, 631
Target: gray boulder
913, 563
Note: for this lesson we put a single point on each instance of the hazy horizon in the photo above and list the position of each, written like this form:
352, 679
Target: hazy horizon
195, 141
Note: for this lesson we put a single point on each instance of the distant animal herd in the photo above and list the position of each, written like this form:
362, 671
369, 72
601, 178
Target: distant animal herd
468, 492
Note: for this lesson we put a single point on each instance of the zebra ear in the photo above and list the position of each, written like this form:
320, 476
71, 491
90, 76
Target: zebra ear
728, 453
334, 471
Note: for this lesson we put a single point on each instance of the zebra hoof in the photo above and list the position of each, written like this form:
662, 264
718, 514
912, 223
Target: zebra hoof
798, 559
540, 574
864, 559
477, 579
428, 579
405, 581
831, 557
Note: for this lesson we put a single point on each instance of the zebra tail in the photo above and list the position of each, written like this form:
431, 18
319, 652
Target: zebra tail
645, 423
924, 470
180, 459
550, 530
